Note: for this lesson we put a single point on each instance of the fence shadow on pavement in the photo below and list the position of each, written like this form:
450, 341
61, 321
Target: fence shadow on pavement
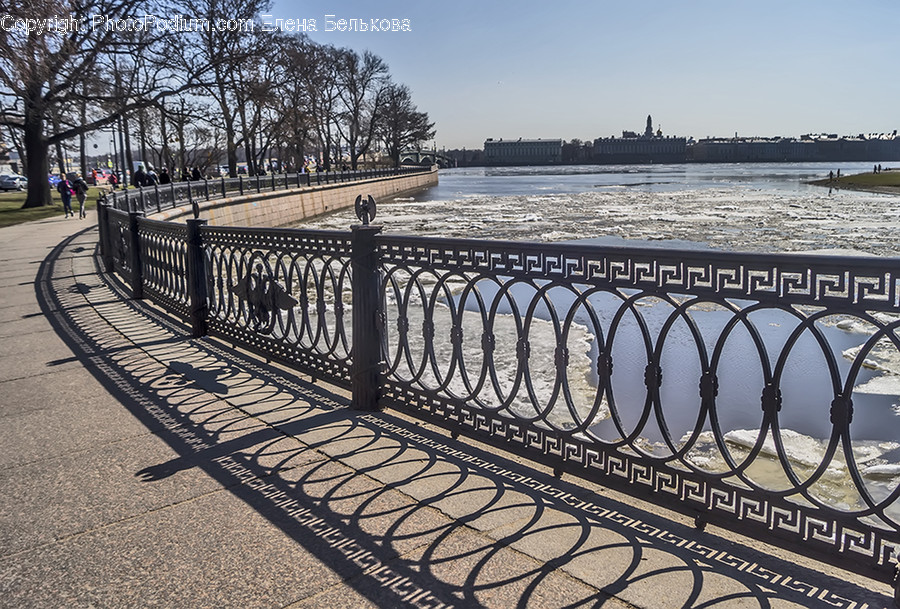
403, 513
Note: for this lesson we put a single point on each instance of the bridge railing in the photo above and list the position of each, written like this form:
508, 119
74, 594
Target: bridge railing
754, 391
159, 197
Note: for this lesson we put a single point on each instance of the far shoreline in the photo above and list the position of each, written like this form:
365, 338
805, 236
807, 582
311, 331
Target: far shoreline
886, 182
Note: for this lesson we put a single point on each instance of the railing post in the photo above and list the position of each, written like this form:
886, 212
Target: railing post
241, 184
223, 187
196, 278
206, 188
137, 272
172, 190
103, 227
156, 194
366, 350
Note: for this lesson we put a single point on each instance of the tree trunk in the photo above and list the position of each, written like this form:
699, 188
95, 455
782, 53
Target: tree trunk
163, 132
61, 158
129, 157
142, 140
82, 143
82, 155
38, 166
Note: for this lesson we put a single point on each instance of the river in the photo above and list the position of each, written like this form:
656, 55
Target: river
734, 207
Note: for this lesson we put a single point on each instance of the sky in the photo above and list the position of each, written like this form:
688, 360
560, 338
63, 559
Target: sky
566, 69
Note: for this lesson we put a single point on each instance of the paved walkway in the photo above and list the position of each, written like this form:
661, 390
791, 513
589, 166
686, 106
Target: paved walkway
141, 468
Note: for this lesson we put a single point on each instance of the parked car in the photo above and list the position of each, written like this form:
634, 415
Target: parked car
99, 176
53, 179
13, 181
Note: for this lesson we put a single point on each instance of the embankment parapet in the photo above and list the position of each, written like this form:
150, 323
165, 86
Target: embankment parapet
286, 207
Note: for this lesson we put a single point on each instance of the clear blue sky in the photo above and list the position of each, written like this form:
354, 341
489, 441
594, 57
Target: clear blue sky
566, 69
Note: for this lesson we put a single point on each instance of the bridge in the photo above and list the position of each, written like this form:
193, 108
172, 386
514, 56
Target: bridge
426, 157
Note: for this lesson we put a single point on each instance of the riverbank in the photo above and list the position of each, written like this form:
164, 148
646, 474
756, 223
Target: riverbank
885, 182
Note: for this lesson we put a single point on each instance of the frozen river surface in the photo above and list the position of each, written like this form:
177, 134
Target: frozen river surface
735, 207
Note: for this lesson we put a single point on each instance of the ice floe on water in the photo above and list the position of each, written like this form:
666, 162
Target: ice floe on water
723, 219
803, 456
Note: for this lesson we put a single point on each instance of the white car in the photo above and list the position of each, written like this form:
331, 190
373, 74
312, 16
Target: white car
13, 181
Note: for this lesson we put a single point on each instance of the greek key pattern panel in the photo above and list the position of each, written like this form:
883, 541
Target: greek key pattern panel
853, 283
629, 472
306, 241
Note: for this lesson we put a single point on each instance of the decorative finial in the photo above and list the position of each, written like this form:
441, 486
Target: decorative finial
365, 209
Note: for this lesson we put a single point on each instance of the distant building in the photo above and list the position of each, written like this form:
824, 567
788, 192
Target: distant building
522, 152
809, 148
654, 147
632, 148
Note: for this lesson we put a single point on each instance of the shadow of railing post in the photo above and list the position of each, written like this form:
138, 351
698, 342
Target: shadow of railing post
366, 349
196, 279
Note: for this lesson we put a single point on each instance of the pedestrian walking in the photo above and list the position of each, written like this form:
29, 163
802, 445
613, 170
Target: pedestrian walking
139, 179
81, 188
65, 190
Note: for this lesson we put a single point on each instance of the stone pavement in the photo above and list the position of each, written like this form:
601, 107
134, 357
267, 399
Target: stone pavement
143, 468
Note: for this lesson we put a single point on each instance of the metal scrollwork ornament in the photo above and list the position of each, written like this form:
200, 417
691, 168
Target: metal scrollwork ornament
264, 295
365, 209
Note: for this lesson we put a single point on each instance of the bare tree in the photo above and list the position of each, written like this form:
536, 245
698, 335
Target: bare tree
315, 67
294, 104
228, 54
401, 125
363, 80
57, 59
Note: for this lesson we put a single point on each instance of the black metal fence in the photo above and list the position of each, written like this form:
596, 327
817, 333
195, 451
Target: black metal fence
156, 198
756, 391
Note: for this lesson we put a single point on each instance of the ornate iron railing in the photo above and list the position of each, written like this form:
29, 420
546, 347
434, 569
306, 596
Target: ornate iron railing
156, 198
284, 294
164, 265
754, 391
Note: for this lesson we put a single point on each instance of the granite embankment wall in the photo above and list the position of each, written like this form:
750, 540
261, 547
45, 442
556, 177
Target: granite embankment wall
285, 207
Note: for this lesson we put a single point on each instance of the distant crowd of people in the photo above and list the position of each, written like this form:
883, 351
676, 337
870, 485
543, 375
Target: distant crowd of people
149, 177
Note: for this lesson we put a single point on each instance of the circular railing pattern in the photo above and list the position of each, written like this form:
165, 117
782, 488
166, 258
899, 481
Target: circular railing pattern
759, 396
289, 296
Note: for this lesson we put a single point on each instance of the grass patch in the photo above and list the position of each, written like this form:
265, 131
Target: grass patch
885, 181
885, 178
11, 211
